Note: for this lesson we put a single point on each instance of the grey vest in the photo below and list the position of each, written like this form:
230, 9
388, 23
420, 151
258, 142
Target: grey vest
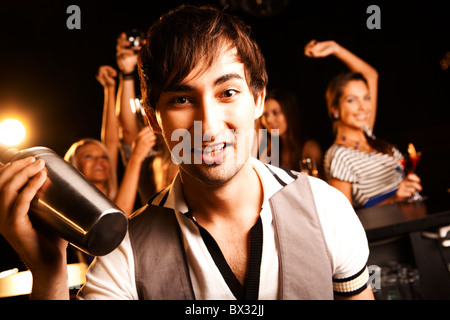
161, 267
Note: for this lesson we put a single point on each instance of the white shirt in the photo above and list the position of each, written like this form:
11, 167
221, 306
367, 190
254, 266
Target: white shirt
112, 276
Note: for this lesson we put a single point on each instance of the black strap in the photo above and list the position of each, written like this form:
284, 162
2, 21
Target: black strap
254, 269
163, 200
251, 289
276, 176
289, 172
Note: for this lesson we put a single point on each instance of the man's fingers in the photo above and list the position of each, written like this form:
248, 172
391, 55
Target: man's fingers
16, 176
10, 169
28, 193
14, 202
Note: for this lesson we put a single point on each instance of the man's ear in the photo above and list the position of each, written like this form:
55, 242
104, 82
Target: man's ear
152, 121
259, 109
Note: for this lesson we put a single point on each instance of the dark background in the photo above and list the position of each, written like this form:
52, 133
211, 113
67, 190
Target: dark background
47, 72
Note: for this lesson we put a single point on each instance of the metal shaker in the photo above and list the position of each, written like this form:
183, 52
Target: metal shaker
71, 206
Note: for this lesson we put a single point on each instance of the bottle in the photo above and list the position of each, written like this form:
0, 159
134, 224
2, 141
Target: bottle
71, 206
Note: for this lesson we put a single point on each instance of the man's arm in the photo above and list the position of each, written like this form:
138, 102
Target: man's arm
346, 241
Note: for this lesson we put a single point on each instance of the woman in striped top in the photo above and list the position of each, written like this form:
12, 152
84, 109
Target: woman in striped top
365, 169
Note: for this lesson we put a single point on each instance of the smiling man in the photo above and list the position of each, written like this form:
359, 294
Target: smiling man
224, 229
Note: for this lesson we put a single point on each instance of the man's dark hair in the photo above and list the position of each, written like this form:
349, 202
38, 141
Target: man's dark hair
189, 36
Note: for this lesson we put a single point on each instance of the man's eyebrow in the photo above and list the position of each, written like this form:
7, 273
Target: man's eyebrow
179, 87
227, 77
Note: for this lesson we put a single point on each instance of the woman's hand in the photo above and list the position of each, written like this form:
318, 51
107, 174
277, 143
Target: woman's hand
106, 76
408, 187
126, 57
315, 49
143, 143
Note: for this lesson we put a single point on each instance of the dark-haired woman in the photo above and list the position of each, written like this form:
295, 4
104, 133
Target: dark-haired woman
364, 168
281, 118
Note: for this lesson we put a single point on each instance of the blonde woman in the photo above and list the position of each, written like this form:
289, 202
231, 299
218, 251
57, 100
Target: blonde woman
97, 161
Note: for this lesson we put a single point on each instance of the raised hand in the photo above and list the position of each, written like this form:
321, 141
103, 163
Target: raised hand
106, 76
315, 49
126, 56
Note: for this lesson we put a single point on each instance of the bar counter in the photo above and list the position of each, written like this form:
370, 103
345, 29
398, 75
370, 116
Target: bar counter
402, 217
409, 233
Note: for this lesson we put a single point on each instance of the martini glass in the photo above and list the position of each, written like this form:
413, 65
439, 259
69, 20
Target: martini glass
409, 163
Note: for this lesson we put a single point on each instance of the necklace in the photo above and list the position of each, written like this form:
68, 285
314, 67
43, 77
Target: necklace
354, 144
357, 143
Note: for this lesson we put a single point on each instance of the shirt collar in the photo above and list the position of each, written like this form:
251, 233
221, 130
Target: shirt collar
272, 179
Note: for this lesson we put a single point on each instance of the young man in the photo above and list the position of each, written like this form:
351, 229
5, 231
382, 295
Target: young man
229, 226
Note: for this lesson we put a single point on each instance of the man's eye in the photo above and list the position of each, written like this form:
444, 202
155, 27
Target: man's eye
180, 100
229, 93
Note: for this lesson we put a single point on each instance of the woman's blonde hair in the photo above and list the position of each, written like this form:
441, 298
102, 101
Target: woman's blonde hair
71, 157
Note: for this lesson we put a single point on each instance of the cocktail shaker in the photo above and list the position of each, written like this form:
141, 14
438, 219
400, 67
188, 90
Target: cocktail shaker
71, 206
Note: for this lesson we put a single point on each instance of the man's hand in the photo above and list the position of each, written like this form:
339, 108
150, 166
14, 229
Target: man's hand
45, 256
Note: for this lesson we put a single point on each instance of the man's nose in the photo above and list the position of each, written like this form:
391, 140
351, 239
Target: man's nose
211, 116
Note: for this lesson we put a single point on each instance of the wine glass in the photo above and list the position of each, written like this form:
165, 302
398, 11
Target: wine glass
308, 165
409, 163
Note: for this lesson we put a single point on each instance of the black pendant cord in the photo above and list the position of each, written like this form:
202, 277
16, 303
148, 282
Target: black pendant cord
251, 289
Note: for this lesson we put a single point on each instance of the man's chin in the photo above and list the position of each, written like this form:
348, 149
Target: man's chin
212, 174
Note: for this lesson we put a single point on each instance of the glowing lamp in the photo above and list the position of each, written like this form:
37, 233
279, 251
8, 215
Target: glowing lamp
12, 132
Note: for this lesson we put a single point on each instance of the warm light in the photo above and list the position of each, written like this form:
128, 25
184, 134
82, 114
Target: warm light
12, 132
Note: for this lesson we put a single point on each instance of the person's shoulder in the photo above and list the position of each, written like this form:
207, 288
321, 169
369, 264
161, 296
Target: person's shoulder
138, 212
322, 188
147, 211
329, 199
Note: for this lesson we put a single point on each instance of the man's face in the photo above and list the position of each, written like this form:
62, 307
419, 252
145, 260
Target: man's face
218, 105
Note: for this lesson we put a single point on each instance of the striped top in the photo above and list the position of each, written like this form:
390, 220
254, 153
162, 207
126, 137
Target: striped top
374, 176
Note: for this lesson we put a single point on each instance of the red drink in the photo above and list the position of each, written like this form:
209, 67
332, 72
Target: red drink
410, 164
